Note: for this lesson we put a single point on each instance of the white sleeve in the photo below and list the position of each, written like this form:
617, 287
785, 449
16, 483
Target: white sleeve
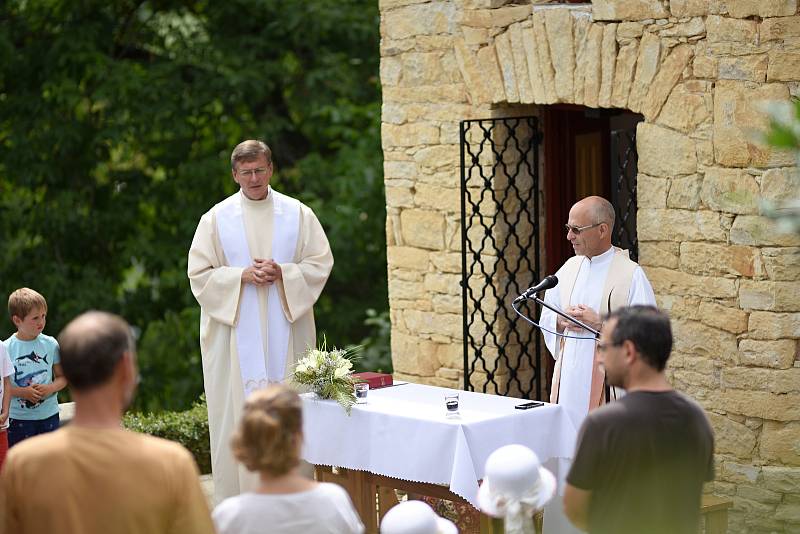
548, 319
641, 290
345, 507
223, 516
302, 282
6, 367
215, 285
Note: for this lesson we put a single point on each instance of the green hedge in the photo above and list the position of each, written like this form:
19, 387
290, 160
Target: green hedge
189, 428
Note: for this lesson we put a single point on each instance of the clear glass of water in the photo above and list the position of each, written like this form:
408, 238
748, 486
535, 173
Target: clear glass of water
361, 390
451, 404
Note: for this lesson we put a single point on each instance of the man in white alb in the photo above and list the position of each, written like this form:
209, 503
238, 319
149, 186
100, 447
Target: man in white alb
600, 278
258, 262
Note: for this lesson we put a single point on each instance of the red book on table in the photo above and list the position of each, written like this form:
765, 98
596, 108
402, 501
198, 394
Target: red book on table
375, 380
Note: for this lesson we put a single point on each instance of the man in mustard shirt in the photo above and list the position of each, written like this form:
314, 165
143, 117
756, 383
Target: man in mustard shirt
93, 476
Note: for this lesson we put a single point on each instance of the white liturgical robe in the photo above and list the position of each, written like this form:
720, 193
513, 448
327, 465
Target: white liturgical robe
217, 286
577, 357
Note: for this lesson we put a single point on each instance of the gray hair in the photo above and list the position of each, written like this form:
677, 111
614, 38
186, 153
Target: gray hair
603, 211
250, 150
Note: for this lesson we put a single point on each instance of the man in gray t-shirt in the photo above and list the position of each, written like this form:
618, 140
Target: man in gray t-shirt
640, 462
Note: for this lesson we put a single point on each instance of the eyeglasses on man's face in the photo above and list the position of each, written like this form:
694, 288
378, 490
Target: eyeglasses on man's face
260, 172
578, 229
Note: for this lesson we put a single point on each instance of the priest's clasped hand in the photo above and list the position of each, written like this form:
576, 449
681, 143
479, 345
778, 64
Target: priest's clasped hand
584, 314
262, 273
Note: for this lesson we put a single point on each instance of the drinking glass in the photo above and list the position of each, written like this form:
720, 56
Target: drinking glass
451, 404
361, 390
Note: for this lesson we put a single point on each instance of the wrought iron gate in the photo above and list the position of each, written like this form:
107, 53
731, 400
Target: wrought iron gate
624, 164
500, 226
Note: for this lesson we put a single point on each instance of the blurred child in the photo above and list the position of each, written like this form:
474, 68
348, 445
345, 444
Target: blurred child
268, 441
6, 370
37, 375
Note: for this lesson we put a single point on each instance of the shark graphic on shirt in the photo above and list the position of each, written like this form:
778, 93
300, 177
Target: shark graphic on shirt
34, 358
25, 381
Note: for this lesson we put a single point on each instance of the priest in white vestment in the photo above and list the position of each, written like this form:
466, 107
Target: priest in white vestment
258, 262
598, 279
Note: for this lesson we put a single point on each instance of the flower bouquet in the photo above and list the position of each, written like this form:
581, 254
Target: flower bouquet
329, 374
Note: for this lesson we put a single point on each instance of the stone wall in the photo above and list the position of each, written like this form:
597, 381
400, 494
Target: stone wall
697, 71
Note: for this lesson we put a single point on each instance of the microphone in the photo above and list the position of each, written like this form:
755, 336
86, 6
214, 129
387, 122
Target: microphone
548, 282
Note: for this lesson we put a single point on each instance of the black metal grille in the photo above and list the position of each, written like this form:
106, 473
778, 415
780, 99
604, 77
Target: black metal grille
500, 227
624, 162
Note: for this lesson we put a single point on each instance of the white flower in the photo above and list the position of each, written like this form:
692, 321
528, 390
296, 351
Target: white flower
340, 372
327, 372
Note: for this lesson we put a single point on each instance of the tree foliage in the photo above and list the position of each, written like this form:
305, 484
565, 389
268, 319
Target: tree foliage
117, 119
784, 133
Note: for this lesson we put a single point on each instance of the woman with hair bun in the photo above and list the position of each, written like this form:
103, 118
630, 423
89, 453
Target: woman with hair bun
268, 441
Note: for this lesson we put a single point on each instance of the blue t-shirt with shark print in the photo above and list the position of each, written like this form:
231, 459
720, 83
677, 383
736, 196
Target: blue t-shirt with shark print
33, 364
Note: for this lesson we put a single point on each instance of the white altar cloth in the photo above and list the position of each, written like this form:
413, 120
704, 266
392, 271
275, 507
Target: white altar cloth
403, 432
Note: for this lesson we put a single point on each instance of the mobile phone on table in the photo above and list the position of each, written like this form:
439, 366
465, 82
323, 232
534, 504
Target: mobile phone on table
529, 405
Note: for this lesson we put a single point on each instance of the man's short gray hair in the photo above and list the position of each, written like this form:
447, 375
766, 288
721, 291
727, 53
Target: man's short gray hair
250, 150
603, 211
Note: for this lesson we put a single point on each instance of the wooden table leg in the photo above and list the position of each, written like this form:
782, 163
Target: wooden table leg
491, 525
366, 490
387, 498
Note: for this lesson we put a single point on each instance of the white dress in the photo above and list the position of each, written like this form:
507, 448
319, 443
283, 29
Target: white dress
326, 509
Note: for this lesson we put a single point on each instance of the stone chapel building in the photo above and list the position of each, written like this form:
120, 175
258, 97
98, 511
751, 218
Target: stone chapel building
655, 104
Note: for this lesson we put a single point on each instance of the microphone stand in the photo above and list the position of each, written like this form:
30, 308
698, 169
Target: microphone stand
582, 325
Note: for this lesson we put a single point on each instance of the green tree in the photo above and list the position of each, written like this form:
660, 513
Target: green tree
117, 119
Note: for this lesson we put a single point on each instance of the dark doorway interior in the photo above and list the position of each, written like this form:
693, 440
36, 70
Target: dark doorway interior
576, 164
587, 152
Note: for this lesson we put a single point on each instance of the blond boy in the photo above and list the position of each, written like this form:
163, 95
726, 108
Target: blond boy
37, 373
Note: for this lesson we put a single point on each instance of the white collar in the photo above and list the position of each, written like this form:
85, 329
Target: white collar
261, 202
605, 256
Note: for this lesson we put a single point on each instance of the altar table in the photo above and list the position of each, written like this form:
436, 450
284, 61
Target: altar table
403, 433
